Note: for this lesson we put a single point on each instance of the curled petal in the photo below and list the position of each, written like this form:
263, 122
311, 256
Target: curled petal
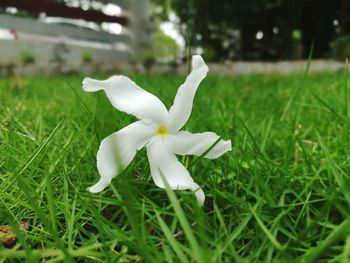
162, 160
182, 107
198, 192
184, 143
126, 96
117, 151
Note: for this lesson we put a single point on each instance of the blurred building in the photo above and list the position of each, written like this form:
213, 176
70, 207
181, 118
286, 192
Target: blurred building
72, 35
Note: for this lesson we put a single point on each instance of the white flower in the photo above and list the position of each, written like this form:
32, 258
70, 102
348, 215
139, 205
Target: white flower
157, 129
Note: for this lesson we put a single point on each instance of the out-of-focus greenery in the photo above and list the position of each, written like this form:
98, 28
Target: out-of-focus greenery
319, 22
165, 47
148, 59
27, 57
297, 35
165, 50
340, 47
214, 25
86, 57
209, 53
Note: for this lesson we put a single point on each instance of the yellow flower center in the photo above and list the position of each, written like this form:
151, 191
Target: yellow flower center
162, 131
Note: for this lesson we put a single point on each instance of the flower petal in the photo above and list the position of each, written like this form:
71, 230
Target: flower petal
182, 107
126, 96
117, 151
184, 143
162, 160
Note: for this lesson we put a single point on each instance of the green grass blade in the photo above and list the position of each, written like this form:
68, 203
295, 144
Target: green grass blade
269, 235
171, 239
337, 235
196, 249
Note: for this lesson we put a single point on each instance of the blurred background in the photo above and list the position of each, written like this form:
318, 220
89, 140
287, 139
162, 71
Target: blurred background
236, 36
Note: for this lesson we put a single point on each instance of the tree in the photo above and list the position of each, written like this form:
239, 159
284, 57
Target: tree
266, 27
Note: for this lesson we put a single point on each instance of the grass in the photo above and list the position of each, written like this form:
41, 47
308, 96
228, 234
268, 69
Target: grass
281, 195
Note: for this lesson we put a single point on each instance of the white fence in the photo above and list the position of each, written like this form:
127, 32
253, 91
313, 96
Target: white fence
33, 45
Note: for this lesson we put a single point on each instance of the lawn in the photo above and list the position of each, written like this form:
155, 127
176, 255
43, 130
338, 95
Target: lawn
281, 195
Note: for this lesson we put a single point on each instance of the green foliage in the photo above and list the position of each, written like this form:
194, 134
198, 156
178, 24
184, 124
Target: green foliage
86, 57
215, 21
297, 35
281, 195
165, 48
209, 54
148, 59
27, 58
340, 48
